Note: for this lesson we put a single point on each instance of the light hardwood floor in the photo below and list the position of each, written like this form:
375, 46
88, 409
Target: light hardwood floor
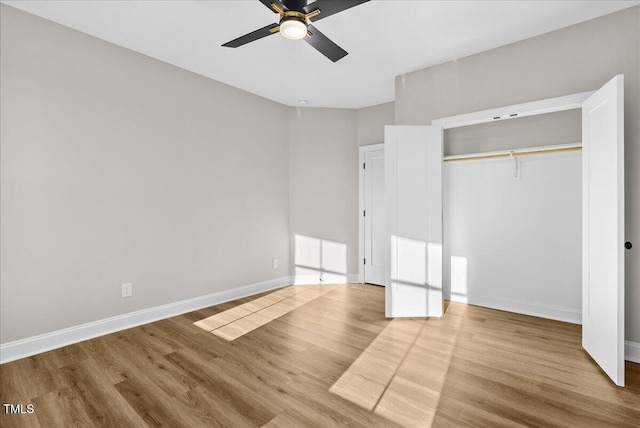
334, 360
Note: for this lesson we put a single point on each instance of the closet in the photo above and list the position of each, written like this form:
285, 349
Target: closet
510, 215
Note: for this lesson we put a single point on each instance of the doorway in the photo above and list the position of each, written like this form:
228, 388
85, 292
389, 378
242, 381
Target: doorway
372, 214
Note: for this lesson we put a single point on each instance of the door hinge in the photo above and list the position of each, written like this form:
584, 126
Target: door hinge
365, 261
364, 165
364, 213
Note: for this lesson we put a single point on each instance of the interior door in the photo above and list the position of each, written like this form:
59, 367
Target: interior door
413, 192
603, 228
374, 217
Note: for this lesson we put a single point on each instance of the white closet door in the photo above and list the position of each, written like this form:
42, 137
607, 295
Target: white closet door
374, 218
413, 192
603, 228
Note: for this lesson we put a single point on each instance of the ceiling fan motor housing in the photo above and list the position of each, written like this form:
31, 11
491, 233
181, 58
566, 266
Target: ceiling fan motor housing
293, 25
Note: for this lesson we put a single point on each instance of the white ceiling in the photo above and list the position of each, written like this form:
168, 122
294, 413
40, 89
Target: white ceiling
384, 39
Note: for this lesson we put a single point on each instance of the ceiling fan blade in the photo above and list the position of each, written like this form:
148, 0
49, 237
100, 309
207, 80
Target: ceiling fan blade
269, 2
253, 36
329, 7
324, 45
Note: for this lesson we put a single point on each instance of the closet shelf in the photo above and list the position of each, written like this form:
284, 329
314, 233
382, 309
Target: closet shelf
516, 152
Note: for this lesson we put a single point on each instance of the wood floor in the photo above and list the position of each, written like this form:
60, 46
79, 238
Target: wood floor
332, 361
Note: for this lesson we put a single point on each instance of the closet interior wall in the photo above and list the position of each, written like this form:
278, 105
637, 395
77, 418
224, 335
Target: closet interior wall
512, 237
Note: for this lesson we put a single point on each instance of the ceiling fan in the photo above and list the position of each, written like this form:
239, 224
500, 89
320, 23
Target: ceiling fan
294, 24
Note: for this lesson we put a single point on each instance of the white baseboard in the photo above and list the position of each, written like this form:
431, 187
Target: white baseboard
45, 342
632, 351
56, 339
327, 278
352, 278
521, 307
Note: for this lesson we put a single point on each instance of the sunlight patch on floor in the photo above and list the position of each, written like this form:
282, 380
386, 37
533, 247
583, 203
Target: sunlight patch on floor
242, 319
401, 373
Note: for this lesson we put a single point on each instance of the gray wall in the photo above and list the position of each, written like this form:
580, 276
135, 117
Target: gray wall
120, 168
371, 122
324, 171
579, 58
323, 177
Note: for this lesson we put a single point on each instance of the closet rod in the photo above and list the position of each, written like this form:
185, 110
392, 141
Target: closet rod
516, 152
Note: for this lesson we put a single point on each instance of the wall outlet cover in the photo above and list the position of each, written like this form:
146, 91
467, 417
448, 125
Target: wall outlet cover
127, 289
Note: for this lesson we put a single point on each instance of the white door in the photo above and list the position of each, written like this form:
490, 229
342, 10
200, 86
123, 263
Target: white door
374, 217
603, 228
413, 191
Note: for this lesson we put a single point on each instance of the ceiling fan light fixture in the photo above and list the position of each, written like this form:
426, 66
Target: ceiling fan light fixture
293, 28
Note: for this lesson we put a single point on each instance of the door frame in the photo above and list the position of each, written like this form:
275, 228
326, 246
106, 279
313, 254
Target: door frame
362, 150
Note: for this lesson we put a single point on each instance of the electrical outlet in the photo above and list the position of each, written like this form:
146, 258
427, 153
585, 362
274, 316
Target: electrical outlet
274, 263
127, 289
